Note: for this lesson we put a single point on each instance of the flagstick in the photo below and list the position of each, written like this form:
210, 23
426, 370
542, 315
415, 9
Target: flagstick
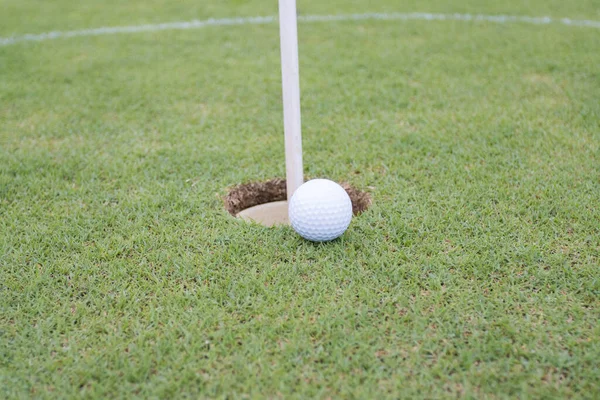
290, 80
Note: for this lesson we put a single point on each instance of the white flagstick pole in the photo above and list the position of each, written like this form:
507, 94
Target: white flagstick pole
290, 80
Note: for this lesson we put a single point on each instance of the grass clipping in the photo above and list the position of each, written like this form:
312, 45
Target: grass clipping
252, 194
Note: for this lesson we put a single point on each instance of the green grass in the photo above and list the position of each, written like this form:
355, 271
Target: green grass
475, 273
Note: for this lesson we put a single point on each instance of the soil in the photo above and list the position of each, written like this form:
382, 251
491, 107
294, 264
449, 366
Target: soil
254, 193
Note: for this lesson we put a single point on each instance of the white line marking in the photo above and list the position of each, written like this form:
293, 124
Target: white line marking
195, 24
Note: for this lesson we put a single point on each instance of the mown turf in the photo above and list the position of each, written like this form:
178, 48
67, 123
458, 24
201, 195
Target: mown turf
475, 273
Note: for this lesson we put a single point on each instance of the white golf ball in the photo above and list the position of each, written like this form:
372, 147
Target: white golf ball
320, 210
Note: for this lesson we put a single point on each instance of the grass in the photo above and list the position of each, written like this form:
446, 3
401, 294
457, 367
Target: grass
475, 273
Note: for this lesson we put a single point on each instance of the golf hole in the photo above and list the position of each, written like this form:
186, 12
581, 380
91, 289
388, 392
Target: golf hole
266, 202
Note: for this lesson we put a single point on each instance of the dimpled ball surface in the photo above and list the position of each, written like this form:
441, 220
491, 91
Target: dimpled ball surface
320, 210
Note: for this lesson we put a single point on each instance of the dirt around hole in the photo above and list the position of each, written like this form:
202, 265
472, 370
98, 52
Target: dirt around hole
252, 194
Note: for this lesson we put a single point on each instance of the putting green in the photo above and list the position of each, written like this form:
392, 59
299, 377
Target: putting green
474, 273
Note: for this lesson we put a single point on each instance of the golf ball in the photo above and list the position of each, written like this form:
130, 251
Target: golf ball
320, 210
